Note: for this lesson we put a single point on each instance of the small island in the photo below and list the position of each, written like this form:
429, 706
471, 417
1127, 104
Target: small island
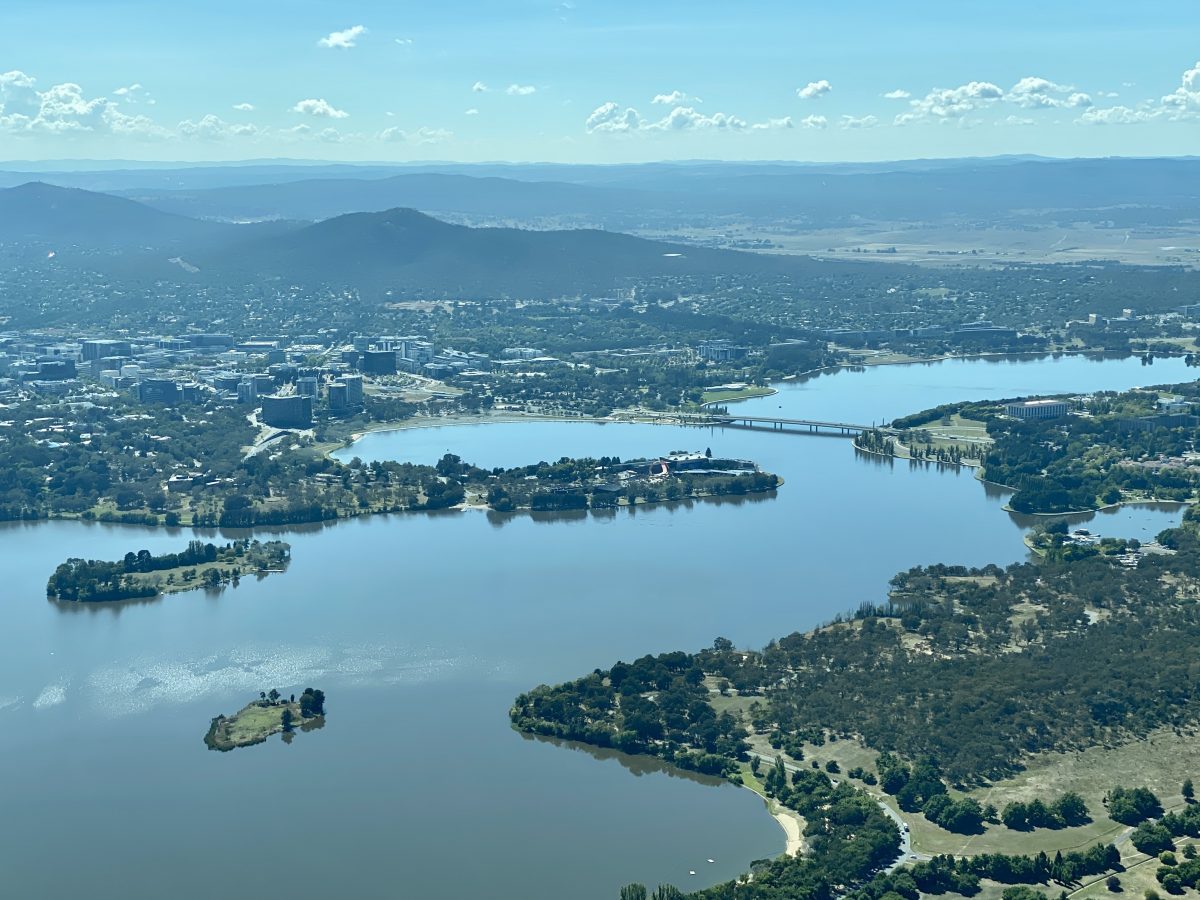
604, 483
269, 714
142, 575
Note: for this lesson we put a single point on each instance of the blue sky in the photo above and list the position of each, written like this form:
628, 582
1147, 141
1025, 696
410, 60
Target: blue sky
595, 80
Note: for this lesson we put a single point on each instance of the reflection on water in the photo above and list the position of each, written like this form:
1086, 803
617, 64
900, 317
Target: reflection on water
1116, 518
636, 765
552, 517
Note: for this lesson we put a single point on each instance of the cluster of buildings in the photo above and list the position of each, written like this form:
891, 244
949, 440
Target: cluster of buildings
1171, 412
387, 355
195, 368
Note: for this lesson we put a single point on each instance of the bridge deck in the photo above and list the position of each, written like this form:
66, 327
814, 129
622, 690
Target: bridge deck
752, 421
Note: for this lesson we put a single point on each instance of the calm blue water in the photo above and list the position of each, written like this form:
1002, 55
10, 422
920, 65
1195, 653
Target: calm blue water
421, 629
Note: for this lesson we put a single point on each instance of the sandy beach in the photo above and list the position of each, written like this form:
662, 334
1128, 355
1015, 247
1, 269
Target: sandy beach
792, 825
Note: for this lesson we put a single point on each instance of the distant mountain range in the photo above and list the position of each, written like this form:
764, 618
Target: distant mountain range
400, 252
488, 197
69, 216
405, 252
663, 196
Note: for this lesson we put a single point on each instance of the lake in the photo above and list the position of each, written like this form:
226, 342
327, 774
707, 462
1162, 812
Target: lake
422, 628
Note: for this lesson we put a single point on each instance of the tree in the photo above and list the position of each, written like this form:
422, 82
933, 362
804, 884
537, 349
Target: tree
1188, 791
1072, 809
1113, 883
1129, 806
633, 892
1152, 838
273, 696
312, 703
287, 718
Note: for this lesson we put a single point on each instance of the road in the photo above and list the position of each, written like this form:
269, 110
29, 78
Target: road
907, 854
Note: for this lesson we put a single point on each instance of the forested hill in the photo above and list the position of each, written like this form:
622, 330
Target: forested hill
69, 215
409, 253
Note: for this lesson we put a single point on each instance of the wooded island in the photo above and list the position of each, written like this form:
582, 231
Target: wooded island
143, 575
269, 714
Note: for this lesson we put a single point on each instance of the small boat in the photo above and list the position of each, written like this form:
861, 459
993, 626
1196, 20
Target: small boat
693, 872
712, 860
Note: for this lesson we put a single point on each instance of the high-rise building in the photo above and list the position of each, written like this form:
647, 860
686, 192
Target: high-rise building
378, 362
354, 390
159, 390
292, 411
99, 349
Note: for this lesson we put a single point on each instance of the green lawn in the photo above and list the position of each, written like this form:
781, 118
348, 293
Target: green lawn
746, 393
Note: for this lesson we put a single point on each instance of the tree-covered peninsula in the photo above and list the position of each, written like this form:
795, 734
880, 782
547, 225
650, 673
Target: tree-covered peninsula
958, 681
271, 713
143, 575
1096, 450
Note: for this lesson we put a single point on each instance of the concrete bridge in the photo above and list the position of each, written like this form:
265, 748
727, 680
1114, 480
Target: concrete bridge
765, 423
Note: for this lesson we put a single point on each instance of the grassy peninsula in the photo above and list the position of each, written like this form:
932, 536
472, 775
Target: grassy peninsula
1015, 718
142, 575
269, 714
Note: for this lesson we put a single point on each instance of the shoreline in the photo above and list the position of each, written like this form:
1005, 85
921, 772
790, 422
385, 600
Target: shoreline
790, 821
793, 831
926, 360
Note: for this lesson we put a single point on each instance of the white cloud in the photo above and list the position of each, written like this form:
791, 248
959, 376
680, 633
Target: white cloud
609, 117
942, 104
684, 118
404, 42
898, 94
64, 110
1017, 121
343, 39
320, 108
422, 135
814, 90
814, 122
480, 88
244, 107
675, 98
128, 92
471, 112
520, 90
1039, 93
1184, 101
859, 121
1114, 115
612, 118
214, 128
1182, 104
